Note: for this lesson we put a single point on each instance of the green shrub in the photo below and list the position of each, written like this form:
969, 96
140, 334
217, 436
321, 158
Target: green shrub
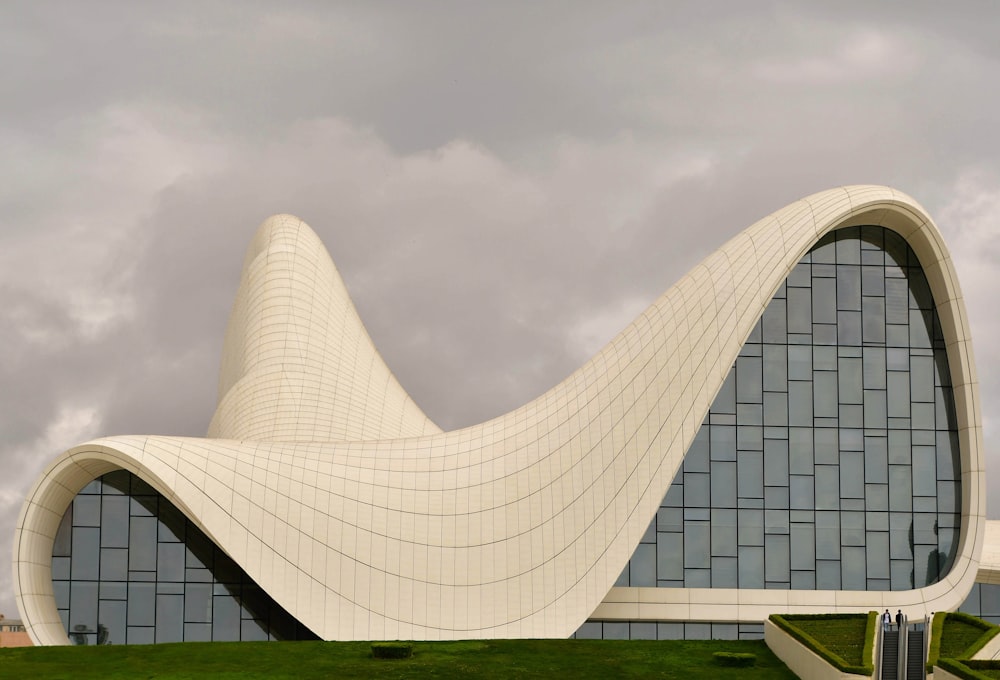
957, 635
735, 659
962, 670
852, 635
392, 650
934, 648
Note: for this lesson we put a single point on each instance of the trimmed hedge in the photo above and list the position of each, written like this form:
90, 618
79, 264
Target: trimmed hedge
934, 648
866, 668
989, 632
938, 632
392, 650
735, 659
966, 672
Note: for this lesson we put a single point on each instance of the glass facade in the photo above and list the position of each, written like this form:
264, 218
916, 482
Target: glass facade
983, 601
829, 459
129, 568
669, 630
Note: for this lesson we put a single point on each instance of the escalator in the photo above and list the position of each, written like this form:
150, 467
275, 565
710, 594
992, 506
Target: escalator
915, 657
903, 652
890, 655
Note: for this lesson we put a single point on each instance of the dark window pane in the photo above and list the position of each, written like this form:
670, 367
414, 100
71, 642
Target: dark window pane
86, 554
873, 320
751, 567
750, 468
670, 556
773, 328
87, 511
141, 604
799, 306
848, 288
642, 567
114, 522
114, 564
697, 544
824, 301
748, 380
776, 558
850, 381
723, 484
142, 544
111, 623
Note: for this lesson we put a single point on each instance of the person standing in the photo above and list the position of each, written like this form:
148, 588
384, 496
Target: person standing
886, 621
899, 619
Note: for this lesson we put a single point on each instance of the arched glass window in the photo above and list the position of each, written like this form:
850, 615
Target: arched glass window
129, 568
829, 460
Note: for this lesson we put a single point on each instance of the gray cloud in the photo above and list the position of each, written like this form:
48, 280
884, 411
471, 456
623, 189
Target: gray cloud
502, 188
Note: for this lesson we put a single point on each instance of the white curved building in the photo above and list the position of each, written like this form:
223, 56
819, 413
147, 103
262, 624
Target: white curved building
794, 426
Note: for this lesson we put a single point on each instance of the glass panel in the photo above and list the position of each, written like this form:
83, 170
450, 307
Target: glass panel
111, 623
773, 329
849, 328
86, 555
225, 618
697, 544
141, 604
776, 559
851, 379
642, 570
849, 288
876, 460
873, 282
725, 401
751, 527
852, 566
852, 474
670, 557
114, 523
824, 301
169, 618
897, 307
114, 564
748, 380
751, 566
142, 544
87, 511
920, 328
723, 442
875, 409
799, 306
799, 362
873, 320
751, 474
723, 484
775, 368
616, 630
802, 546
724, 533
800, 403
696, 459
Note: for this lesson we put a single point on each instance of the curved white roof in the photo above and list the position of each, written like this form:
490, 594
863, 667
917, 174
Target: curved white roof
354, 512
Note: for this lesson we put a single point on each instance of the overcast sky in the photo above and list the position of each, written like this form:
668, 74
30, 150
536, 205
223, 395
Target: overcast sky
503, 187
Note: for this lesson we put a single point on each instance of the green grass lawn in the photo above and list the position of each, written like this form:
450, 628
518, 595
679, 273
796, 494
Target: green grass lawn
844, 637
957, 636
471, 659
